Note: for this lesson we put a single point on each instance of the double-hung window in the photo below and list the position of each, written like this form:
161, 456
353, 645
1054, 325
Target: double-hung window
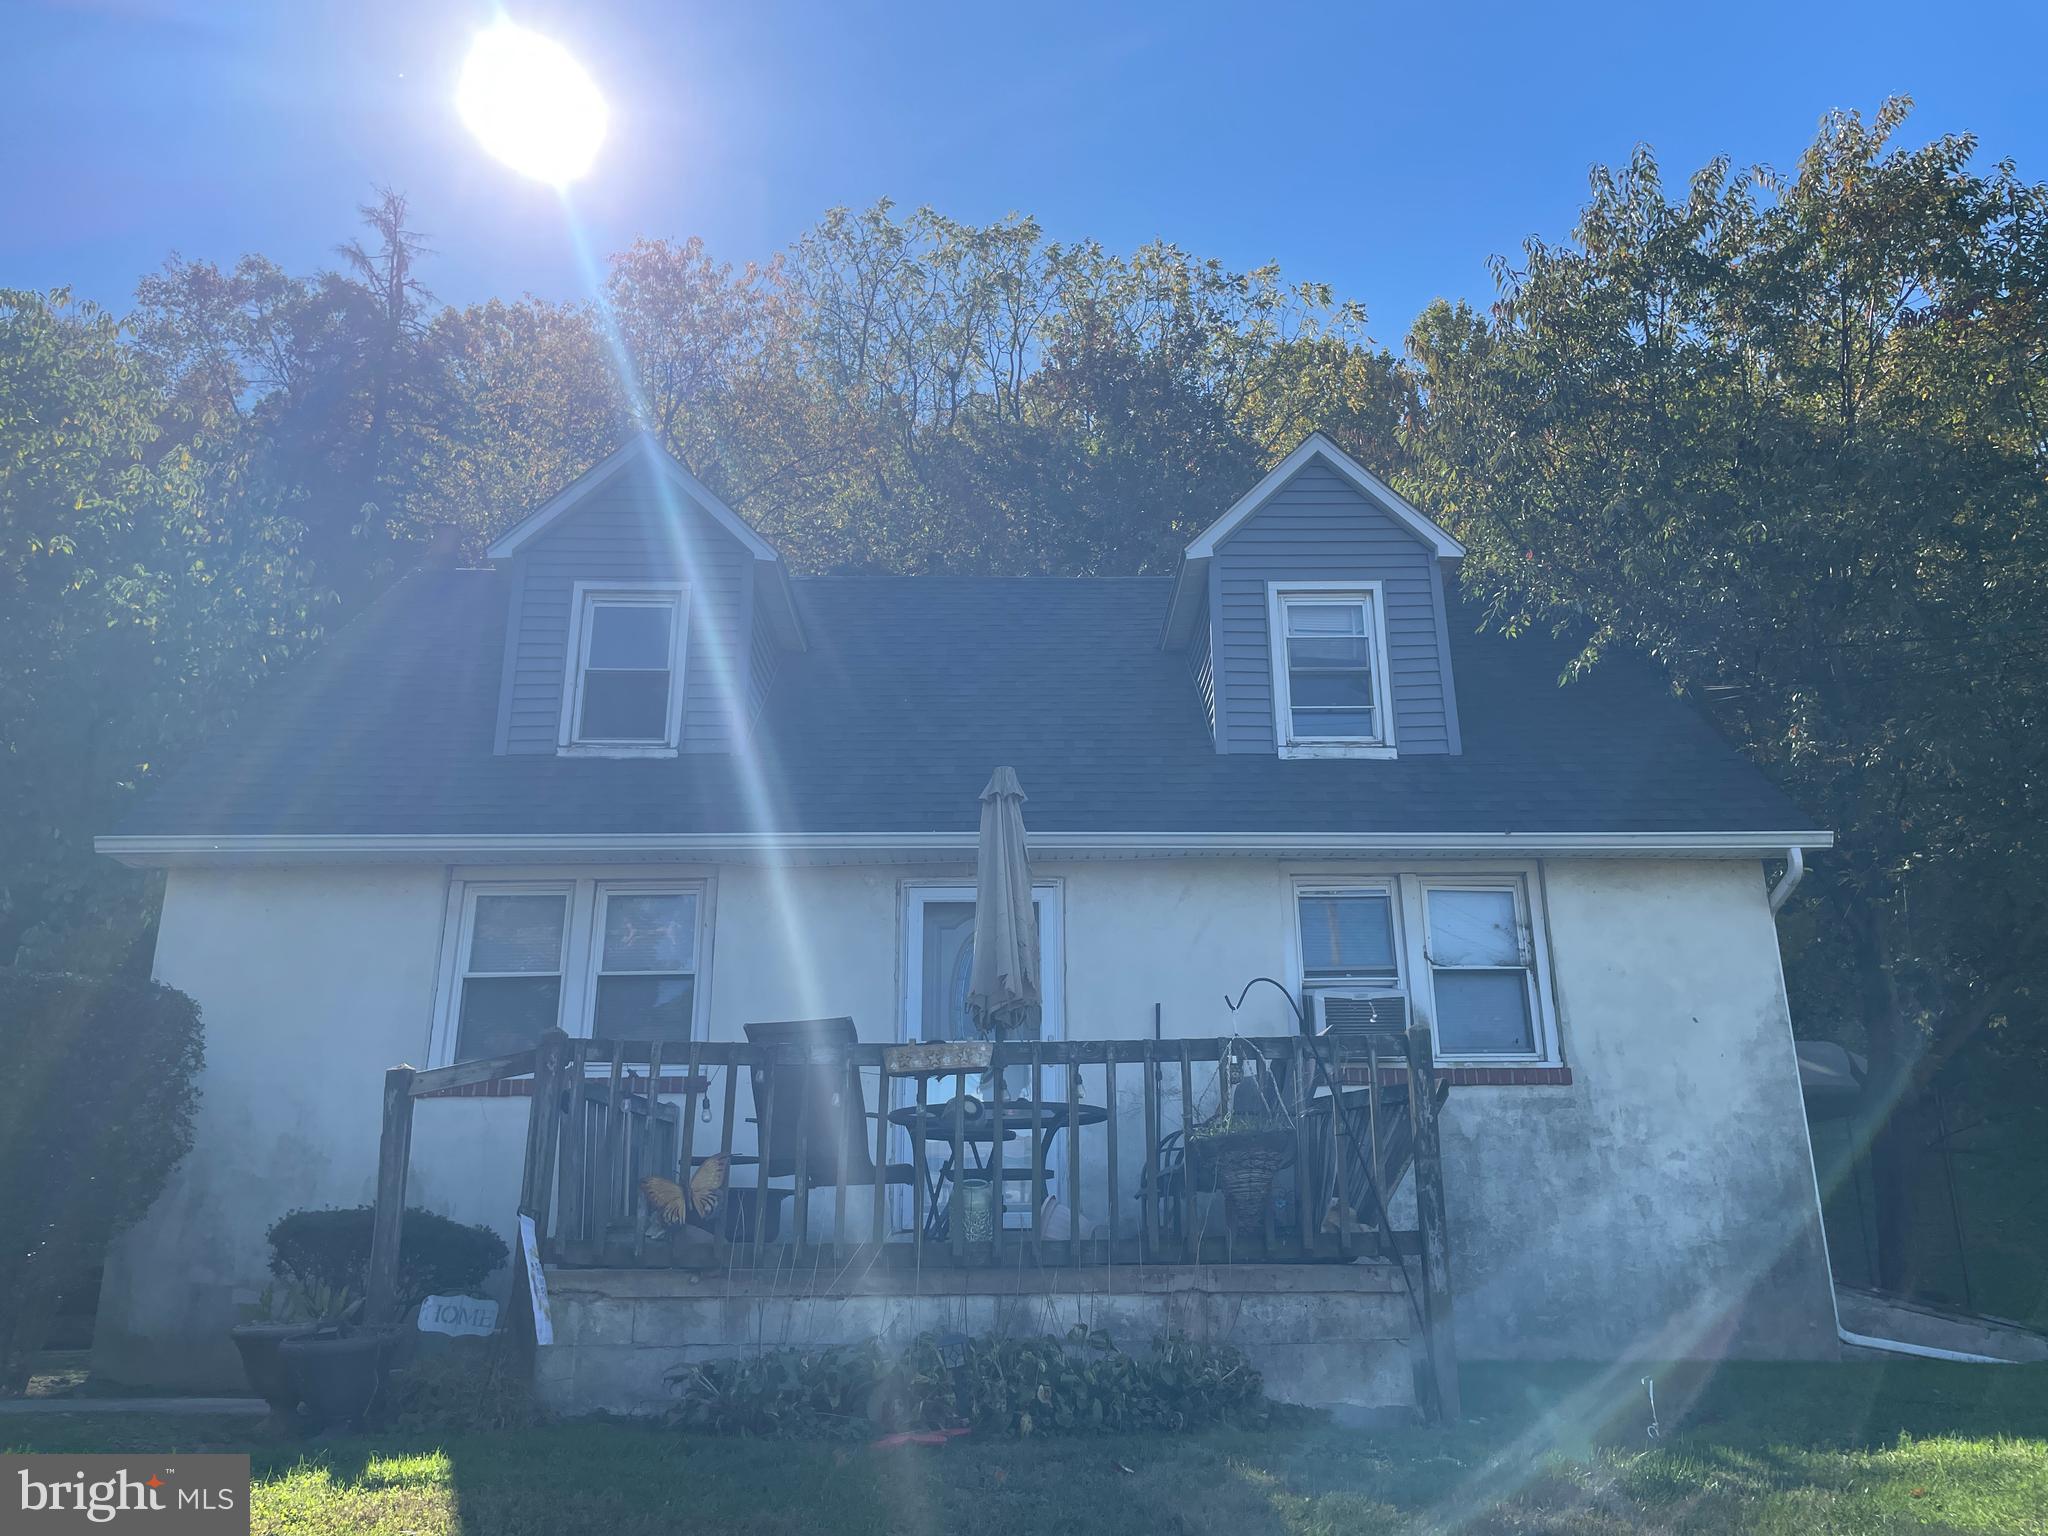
617, 959
510, 969
1462, 948
1482, 970
646, 964
1330, 693
623, 684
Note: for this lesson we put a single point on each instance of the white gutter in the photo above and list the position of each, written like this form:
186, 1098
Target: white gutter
911, 847
1795, 871
1901, 1347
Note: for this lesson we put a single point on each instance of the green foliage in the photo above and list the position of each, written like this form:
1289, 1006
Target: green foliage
789, 1392
134, 603
460, 1391
97, 1093
331, 1249
299, 1302
1783, 434
1001, 1386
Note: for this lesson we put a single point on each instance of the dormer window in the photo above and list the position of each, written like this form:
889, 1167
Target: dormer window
624, 691
1330, 693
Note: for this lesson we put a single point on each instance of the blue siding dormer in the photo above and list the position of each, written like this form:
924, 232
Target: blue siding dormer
1319, 518
640, 518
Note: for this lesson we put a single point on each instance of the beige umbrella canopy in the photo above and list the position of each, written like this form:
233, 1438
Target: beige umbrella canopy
1003, 993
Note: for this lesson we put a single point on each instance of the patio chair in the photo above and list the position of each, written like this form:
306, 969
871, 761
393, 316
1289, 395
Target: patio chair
818, 1119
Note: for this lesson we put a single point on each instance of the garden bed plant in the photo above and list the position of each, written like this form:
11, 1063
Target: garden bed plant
1013, 1387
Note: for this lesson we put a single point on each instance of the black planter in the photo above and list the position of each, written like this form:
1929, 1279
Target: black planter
260, 1345
336, 1374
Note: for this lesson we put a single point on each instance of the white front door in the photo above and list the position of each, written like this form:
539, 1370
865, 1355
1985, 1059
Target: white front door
938, 960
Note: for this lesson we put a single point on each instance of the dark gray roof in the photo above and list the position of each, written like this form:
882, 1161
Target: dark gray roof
912, 689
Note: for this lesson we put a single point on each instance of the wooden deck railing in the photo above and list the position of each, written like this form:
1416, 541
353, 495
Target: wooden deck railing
1101, 1125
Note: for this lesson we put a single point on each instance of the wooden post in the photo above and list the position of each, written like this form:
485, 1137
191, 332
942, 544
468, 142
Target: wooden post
572, 1212
394, 1158
1430, 1218
1109, 1152
544, 1128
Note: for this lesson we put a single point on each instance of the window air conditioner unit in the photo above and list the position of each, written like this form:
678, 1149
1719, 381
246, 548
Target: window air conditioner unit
1355, 1021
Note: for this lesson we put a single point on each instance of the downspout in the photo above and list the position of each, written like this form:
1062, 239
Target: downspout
1795, 871
1924, 1351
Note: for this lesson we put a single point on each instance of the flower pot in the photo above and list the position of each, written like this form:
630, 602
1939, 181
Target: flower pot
259, 1345
1243, 1164
337, 1374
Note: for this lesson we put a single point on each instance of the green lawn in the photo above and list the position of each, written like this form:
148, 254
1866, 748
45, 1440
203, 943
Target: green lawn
1798, 1449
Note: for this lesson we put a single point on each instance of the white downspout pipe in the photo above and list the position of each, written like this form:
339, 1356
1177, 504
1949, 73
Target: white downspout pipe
1795, 871
1924, 1351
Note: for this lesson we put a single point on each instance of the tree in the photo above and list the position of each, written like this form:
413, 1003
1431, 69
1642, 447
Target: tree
533, 401
1786, 434
322, 399
128, 611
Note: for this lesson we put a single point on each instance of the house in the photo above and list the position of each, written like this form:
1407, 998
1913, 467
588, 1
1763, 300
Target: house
635, 780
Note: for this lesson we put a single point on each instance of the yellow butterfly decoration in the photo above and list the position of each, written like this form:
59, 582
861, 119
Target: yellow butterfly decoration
673, 1204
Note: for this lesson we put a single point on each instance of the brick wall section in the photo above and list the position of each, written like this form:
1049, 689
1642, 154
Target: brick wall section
1476, 1077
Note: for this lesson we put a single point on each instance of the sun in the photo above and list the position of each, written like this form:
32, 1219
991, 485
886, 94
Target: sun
531, 104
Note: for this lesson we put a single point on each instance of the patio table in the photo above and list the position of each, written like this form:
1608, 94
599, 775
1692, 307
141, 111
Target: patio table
978, 1128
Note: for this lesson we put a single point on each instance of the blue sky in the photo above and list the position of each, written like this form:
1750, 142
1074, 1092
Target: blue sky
1386, 148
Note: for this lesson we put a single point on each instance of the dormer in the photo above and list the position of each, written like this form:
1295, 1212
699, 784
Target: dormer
645, 616
1313, 616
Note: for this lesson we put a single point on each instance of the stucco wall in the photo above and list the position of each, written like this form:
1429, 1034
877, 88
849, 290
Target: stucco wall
1660, 1204
1663, 1205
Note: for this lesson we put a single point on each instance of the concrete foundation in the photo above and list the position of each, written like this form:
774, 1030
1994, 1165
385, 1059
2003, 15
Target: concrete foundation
1337, 1336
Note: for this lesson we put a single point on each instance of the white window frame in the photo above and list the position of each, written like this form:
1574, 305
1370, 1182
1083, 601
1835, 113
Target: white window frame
605, 890
1388, 886
1416, 978
582, 942
1534, 948
586, 597
1372, 596
465, 933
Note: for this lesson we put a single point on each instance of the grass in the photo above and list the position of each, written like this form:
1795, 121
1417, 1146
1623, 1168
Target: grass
1803, 1450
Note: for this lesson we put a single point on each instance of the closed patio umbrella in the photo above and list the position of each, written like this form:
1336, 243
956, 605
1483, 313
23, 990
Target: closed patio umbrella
1003, 992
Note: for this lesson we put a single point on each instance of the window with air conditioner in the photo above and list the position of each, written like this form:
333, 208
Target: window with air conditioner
1461, 951
1350, 956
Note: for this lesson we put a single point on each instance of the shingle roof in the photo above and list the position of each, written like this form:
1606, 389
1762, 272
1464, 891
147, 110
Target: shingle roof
912, 689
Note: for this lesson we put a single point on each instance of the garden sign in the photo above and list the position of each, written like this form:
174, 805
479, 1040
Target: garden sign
459, 1316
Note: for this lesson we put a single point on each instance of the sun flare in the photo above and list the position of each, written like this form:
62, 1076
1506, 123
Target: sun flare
531, 104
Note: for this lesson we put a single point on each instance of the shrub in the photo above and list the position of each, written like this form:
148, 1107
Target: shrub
1082, 1384
97, 1093
461, 1392
331, 1248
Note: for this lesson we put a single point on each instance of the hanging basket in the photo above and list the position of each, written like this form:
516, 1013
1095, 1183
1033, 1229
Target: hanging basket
1243, 1163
